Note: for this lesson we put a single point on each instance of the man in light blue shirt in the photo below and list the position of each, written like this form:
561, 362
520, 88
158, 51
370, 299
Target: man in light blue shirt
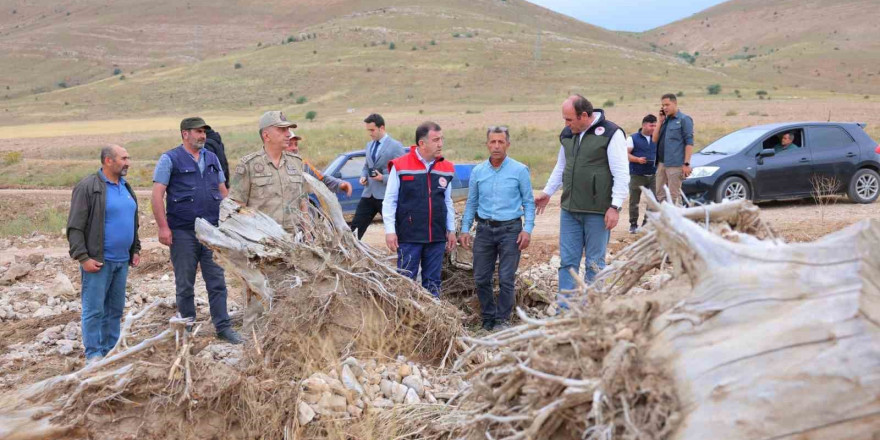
499, 195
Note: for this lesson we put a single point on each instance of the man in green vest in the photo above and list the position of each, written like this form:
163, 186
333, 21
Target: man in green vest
593, 170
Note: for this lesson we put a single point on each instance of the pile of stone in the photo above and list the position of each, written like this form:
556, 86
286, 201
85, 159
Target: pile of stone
65, 338
356, 387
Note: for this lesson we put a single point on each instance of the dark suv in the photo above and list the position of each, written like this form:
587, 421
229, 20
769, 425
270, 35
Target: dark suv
757, 163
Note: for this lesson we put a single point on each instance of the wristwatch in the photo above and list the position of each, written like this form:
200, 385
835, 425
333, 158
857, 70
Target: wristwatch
687, 164
616, 207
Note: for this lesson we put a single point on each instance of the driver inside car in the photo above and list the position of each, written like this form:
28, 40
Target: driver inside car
786, 143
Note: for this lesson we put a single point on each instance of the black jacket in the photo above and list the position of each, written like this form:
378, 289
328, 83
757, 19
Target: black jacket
215, 145
85, 223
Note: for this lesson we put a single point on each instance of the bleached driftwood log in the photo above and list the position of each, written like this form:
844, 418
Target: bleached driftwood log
778, 341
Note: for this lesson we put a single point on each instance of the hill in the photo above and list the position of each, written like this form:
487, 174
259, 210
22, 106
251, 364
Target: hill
73, 42
451, 52
831, 45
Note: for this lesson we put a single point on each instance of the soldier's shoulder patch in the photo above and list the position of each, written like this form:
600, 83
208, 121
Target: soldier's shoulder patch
259, 168
249, 157
240, 169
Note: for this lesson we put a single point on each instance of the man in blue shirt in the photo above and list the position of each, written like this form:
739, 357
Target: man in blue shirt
102, 232
500, 194
188, 183
675, 144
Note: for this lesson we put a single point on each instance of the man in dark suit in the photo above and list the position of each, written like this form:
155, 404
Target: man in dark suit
381, 149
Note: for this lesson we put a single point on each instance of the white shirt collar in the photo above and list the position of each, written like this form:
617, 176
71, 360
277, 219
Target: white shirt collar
595, 121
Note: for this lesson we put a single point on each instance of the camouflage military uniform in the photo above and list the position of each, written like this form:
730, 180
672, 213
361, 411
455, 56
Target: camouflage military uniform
278, 192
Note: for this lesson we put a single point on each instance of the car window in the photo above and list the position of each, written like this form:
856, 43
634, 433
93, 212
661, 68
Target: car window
353, 168
829, 137
735, 142
775, 141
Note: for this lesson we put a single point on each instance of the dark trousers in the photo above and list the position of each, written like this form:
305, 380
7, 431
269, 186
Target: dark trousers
366, 211
492, 244
635, 194
427, 255
187, 253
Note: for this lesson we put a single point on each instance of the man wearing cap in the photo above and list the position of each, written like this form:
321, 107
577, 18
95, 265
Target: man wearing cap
188, 183
271, 180
381, 149
333, 183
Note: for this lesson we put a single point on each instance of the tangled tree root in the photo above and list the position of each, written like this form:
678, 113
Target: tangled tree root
325, 296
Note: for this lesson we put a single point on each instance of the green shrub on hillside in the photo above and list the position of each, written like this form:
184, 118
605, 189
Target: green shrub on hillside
392, 46
714, 89
301, 100
311, 115
608, 103
691, 59
238, 65
117, 71
11, 157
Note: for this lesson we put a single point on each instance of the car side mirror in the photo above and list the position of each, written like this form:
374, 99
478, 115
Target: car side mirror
338, 174
767, 152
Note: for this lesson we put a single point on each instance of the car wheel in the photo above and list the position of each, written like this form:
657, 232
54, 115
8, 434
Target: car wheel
864, 186
732, 188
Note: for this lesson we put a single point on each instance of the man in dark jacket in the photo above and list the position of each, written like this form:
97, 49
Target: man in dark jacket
214, 144
102, 230
188, 183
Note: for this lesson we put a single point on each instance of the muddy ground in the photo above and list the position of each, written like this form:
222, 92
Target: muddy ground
40, 309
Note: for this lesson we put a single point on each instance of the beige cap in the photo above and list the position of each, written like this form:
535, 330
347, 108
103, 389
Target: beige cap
275, 118
294, 135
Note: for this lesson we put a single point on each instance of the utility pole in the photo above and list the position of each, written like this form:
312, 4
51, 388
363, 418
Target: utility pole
537, 52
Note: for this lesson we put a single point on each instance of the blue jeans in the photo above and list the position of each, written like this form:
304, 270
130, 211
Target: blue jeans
103, 298
187, 253
581, 235
493, 244
427, 255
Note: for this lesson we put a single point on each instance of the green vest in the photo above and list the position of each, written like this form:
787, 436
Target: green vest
587, 179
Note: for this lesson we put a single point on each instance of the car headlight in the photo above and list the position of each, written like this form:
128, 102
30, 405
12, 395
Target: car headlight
699, 172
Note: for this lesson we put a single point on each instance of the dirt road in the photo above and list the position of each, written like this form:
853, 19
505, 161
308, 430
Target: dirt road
795, 220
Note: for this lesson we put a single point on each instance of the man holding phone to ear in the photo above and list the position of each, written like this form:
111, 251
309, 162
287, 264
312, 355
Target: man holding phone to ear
675, 145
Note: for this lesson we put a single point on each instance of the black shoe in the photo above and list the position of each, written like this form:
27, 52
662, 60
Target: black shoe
488, 324
231, 336
501, 325
633, 229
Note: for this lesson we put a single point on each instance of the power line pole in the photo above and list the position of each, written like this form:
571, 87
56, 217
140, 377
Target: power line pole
537, 52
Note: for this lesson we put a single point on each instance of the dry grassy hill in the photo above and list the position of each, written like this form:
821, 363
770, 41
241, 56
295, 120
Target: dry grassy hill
831, 45
454, 52
72, 42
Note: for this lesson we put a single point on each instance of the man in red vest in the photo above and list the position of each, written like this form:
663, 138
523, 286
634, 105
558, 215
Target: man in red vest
417, 210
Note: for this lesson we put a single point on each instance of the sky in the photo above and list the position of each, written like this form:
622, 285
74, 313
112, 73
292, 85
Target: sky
627, 15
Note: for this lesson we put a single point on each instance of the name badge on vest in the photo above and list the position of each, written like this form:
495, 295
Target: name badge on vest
600, 131
443, 182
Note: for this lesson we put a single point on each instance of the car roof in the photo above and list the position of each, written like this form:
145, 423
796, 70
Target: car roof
770, 127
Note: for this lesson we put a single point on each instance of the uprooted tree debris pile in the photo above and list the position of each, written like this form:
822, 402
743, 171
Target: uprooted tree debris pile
754, 338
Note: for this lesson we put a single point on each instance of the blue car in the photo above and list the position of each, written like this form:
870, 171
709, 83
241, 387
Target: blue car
348, 167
